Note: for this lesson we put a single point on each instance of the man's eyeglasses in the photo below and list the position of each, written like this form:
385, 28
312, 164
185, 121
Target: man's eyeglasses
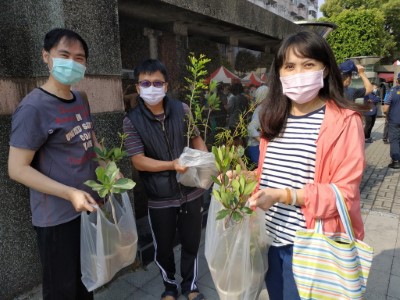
147, 84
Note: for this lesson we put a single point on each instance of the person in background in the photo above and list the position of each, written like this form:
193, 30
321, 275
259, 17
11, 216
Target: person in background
392, 109
156, 138
51, 152
222, 93
253, 144
385, 137
372, 101
237, 106
347, 68
311, 137
253, 89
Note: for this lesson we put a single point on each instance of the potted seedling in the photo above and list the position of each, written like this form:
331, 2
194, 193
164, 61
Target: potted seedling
201, 164
109, 236
236, 241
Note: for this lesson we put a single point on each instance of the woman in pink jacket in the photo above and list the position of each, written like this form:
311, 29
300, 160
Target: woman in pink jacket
311, 137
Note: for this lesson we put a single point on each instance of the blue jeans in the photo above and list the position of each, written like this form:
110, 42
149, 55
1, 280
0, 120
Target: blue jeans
279, 278
254, 153
394, 140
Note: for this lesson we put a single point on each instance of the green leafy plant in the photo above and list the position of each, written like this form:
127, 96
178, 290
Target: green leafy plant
232, 193
234, 190
196, 86
108, 174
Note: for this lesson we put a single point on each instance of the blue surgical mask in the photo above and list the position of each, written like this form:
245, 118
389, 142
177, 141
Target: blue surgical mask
67, 71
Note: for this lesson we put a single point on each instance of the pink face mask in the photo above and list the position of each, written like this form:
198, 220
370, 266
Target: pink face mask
303, 87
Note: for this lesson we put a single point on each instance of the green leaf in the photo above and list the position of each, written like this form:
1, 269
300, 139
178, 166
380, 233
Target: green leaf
103, 192
247, 210
93, 184
235, 184
217, 195
100, 173
237, 216
216, 180
112, 171
124, 183
238, 169
222, 214
249, 188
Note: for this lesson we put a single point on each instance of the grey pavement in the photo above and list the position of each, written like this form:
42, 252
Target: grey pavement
380, 200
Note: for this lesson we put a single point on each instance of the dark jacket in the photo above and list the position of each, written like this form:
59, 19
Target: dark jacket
162, 140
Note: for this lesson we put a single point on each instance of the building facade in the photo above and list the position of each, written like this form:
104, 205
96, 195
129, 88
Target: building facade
293, 10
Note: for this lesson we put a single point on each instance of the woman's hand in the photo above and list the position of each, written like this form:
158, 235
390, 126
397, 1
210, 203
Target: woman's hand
266, 198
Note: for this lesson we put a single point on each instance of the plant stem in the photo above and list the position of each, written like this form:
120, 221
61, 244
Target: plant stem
205, 126
112, 209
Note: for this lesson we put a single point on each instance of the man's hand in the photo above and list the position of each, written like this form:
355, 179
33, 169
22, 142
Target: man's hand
178, 168
81, 200
360, 69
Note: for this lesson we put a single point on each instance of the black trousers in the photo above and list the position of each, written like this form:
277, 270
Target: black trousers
59, 249
165, 222
369, 124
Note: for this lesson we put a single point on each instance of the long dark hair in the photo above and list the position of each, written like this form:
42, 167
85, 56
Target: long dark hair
276, 107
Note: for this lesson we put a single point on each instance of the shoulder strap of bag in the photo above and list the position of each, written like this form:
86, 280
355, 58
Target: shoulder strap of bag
343, 212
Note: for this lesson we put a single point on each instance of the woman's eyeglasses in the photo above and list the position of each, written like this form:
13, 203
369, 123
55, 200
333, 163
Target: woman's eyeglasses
147, 84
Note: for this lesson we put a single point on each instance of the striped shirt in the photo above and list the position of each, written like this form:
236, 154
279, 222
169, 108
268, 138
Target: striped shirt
290, 162
134, 146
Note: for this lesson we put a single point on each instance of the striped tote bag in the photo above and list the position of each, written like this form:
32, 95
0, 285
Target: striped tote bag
331, 265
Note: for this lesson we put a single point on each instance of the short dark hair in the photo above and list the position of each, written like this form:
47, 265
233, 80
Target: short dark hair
54, 36
151, 66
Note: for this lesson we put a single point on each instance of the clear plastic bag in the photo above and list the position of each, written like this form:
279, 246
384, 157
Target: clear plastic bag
201, 166
106, 246
236, 254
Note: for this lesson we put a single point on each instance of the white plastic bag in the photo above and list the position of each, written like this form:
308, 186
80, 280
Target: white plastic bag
236, 254
201, 166
107, 247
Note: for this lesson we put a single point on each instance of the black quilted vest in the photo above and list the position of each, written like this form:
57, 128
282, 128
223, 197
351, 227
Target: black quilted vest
162, 140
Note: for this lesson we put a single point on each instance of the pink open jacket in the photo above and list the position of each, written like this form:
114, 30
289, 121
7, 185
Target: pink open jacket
340, 160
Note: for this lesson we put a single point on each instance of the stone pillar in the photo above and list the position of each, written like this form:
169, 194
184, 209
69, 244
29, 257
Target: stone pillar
153, 36
231, 53
174, 52
23, 25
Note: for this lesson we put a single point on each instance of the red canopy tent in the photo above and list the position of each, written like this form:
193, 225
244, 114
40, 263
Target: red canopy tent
222, 74
264, 78
252, 79
388, 77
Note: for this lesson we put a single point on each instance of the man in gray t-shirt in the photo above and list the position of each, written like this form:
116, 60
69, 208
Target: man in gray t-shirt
60, 134
51, 151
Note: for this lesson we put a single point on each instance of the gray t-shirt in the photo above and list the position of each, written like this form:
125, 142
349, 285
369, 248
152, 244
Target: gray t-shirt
60, 132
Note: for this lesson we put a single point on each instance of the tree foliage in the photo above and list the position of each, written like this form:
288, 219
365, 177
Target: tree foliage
245, 61
360, 32
359, 22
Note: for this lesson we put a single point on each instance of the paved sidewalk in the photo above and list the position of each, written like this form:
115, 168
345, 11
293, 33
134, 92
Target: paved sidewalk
380, 193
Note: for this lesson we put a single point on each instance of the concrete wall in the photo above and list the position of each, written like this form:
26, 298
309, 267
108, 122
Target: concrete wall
23, 25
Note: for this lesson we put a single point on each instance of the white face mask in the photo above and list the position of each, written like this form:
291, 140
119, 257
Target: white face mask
152, 95
303, 87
